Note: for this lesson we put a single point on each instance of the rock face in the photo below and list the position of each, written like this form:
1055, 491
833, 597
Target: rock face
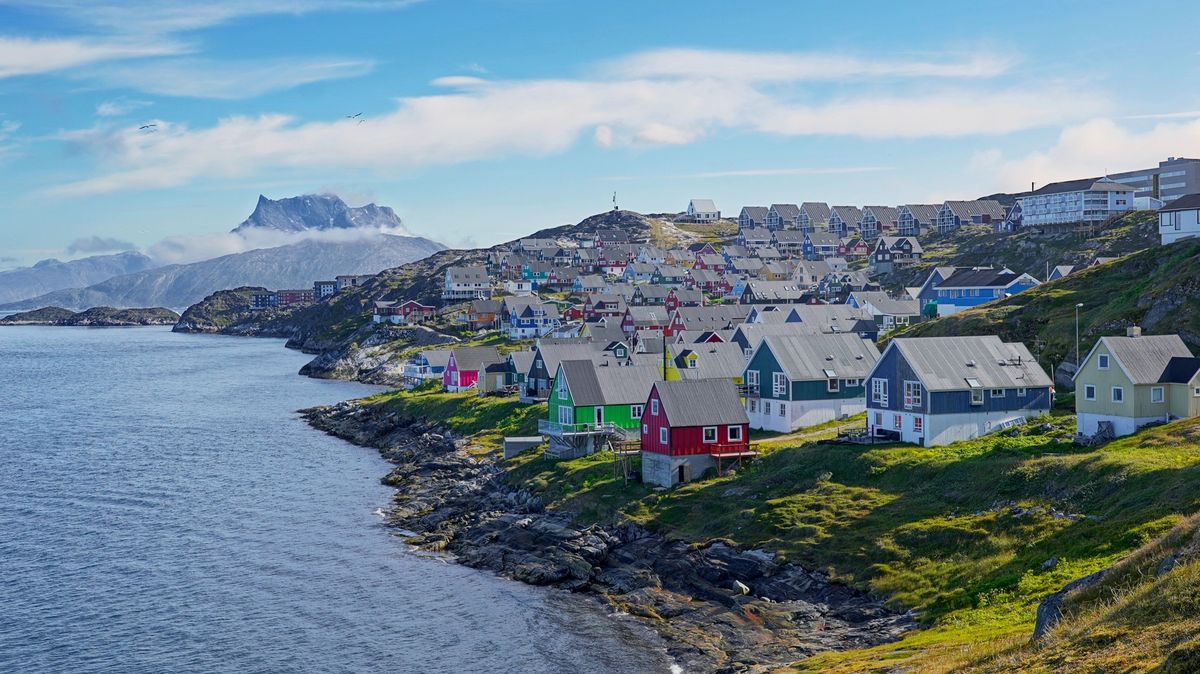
719, 608
295, 265
100, 317
1049, 612
318, 212
50, 275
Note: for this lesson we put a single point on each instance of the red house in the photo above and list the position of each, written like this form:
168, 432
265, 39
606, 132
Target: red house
683, 298
688, 426
465, 365
409, 311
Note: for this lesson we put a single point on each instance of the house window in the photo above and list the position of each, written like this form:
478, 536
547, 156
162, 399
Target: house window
976, 396
752, 406
783, 409
735, 433
766, 406
1196, 392
918, 424
779, 384
997, 393
912, 394
1118, 394
1157, 394
831, 385
879, 418
752, 377
851, 382
1102, 361
1089, 392
897, 421
662, 435
710, 433
879, 391
645, 429
562, 387
1021, 393
654, 407
635, 411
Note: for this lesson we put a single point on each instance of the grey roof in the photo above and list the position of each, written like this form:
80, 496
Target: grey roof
922, 212
789, 236
703, 205
786, 211
716, 317
806, 270
646, 268
1185, 203
701, 402
606, 334
1145, 358
671, 271
521, 360
436, 357
553, 354
652, 291
711, 259
757, 234
818, 211
591, 280
592, 383
694, 336
753, 333
467, 274
892, 241
1062, 270
966, 209
746, 263
831, 317
1082, 185
475, 357
718, 360
756, 213
1180, 370
946, 363
824, 239
777, 291
822, 356
979, 278
883, 213
848, 214
886, 304
736, 251
649, 315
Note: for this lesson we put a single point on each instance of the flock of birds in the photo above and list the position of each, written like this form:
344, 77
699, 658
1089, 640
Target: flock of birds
152, 127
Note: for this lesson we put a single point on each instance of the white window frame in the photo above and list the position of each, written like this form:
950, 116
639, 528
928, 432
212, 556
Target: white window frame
562, 388
752, 377
766, 407
636, 411
1022, 392
778, 384
734, 432
706, 431
851, 382
998, 393
1118, 392
662, 435
654, 407
783, 409
879, 391
912, 400
918, 424
831, 385
1102, 361
1089, 391
1196, 392
1158, 394
976, 396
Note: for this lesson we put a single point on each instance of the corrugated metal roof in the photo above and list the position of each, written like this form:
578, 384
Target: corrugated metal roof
701, 402
818, 211
475, 357
596, 384
807, 357
945, 363
1145, 358
719, 360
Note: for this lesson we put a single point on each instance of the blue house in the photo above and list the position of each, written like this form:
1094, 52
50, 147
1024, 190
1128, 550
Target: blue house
938, 390
820, 245
967, 288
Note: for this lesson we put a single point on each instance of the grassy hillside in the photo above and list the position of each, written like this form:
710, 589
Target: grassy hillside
1158, 289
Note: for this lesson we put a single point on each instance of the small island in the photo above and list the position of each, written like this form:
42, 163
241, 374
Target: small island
101, 317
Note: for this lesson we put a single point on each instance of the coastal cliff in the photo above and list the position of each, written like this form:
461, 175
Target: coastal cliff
721, 608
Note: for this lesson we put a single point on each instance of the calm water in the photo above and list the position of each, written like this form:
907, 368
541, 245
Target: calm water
162, 508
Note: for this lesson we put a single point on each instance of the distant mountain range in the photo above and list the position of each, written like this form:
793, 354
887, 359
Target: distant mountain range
319, 212
50, 275
367, 243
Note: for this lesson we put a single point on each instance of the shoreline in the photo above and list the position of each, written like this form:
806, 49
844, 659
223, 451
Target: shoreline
714, 607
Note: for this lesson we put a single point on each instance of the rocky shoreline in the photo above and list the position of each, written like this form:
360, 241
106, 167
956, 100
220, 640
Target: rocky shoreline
720, 609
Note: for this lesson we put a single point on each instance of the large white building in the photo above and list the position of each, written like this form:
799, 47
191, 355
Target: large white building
1180, 219
1170, 180
702, 210
1089, 200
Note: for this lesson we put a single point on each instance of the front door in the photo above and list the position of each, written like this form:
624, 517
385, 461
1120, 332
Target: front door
599, 415
682, 474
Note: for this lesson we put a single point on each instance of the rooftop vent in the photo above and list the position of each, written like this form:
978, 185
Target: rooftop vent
1133, 331
971, 363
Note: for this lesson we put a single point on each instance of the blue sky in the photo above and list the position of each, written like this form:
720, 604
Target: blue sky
486, 119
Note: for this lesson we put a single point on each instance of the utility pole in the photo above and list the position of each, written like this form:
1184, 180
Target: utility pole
1078, 306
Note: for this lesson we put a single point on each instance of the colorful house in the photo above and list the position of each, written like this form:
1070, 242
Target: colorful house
688, 427
592, 403
705, 360
968, 288
408, 311
793, 381
937, 390
465, 365
1127, 382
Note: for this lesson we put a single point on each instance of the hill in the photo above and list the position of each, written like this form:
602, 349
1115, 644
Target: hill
106, 317
1157, 289
292, 266
50, 275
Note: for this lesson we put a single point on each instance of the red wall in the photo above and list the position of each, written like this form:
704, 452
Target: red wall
684, 440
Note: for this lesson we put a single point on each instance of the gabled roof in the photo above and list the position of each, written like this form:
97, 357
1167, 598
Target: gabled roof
436, 357
718, 316
593, 383
553, 354
893, 241
822, 356
883, 213
703, 205
652, 291
648, 315
789, 236
886, 304
475, 357
640, 268
947, 363
1144, 359
979, 278
1081, 185
467, 274
786, 211
922, 212
486, 306
736, 251
756, 234
967, 209
705, 275
848, 214
521, 360
756, 213
718, 360
1180, 370
824, 238
1185, 203
818, 211
701, 402
830, 317
590, 280
670, 271
776, 291
696, 336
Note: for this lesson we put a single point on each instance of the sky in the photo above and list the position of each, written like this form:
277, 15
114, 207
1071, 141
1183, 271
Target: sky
484, 120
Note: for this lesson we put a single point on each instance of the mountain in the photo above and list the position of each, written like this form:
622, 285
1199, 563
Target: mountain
318, 212
293, 266
50, 275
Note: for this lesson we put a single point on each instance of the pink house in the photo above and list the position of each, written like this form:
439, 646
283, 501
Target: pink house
465, 365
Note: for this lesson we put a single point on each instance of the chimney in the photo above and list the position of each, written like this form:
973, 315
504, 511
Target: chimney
1133, 331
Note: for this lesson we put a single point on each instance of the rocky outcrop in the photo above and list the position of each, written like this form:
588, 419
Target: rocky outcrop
1049, 612
378, 359
719, 608
97, 317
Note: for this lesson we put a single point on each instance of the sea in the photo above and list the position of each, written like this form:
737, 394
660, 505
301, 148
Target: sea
163, 508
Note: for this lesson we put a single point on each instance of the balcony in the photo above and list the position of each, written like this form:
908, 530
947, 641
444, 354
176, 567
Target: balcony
554, 428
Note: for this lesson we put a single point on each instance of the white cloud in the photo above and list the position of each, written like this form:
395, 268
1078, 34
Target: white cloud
8, 127
193, 248
119, 107
169, 16
203, 78
97, 244
1090, 148
28, 56
480, 119
791, 67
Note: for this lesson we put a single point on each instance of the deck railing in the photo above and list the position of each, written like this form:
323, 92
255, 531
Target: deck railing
549, 427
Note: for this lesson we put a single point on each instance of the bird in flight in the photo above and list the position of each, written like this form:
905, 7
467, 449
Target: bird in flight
357, 114
148, 127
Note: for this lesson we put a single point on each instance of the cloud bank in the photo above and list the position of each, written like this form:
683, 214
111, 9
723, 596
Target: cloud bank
90, 245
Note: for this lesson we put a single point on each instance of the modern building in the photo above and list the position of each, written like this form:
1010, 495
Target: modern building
1127, 382
937, 390
1171, 179
1180, 219
466, 283
323, 289
1088, 201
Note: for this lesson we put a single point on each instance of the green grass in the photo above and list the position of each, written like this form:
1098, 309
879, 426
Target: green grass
484, 420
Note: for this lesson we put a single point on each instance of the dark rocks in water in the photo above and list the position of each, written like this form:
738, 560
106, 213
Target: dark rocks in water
720, 608
103, 317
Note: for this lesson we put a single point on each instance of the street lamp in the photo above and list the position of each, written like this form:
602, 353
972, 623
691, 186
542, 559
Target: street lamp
1077, 308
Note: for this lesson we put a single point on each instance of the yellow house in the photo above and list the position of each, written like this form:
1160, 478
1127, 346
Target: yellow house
716, 360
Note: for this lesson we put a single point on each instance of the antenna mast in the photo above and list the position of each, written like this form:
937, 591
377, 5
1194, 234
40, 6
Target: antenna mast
614, 202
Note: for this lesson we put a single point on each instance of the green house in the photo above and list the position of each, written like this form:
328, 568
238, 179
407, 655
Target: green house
591, 403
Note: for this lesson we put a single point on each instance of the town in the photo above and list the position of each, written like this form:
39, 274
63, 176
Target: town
684, 355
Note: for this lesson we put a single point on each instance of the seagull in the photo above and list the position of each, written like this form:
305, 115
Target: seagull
357, 114
145, 127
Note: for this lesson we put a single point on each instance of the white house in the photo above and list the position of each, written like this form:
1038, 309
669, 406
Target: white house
1180, 220
1090, 200
702, 210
